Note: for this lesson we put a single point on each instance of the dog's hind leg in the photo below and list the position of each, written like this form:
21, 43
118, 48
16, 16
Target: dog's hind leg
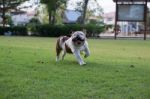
63, 55
58, 55
58, 50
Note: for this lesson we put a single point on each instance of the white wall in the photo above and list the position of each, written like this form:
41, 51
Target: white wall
109, 21
21, 19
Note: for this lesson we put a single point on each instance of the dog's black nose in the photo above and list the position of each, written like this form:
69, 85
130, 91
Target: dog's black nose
78, 36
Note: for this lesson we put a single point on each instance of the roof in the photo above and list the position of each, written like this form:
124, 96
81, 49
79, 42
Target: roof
71, 16
131, 0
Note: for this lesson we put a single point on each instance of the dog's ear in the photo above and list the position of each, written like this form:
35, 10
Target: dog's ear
84, 31
72, 32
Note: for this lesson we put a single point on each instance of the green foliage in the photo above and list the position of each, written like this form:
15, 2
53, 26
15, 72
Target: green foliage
108, 26
59, 30
33, 23
116, 69
93, 30
94, 10
42, 14
3, 30
92, 21
16, 30
9, 20
19, 30
52, 6
53, 30
5, 6
148, 20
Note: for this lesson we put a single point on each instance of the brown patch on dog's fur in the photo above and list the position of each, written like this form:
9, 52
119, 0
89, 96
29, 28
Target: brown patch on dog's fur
68, 50
58, 47
64, 38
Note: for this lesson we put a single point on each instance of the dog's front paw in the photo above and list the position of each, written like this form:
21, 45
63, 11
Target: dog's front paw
83, 63
86, 55
57, 59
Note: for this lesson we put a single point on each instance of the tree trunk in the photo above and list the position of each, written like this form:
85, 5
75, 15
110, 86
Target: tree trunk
50, 17
3, 14
54, 15
54, 18
84, 11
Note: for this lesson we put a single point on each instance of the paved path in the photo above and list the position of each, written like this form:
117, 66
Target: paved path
111, 35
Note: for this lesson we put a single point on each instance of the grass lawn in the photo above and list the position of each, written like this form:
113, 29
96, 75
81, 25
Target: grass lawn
116, 69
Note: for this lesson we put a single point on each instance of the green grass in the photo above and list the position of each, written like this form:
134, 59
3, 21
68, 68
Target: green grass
116, 69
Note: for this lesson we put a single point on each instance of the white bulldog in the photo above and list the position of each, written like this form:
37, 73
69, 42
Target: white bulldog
75, 44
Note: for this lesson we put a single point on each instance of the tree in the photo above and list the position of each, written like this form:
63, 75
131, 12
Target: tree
85, 4
83, 7
42, 14
148, 18
52, 6
9, 20
6, 5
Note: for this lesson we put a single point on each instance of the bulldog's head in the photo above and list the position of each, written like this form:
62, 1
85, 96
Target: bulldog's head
78, 38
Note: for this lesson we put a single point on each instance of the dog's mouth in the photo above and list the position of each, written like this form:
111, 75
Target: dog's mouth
78, 41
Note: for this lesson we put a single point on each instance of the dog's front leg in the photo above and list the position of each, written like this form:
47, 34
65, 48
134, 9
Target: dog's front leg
78, 57
87, 52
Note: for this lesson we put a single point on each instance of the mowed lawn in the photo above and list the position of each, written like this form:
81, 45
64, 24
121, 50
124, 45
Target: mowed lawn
116, 69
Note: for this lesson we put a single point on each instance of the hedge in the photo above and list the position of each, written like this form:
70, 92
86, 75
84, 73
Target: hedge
59, 30
53, 30
17, 30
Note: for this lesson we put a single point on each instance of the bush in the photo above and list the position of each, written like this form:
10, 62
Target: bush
3, 30
94, 30
53, 30
31, 26
17, 30
59, 30
20, 31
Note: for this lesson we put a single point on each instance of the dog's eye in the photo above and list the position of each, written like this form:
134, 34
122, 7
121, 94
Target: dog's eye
74, 39
82, 39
